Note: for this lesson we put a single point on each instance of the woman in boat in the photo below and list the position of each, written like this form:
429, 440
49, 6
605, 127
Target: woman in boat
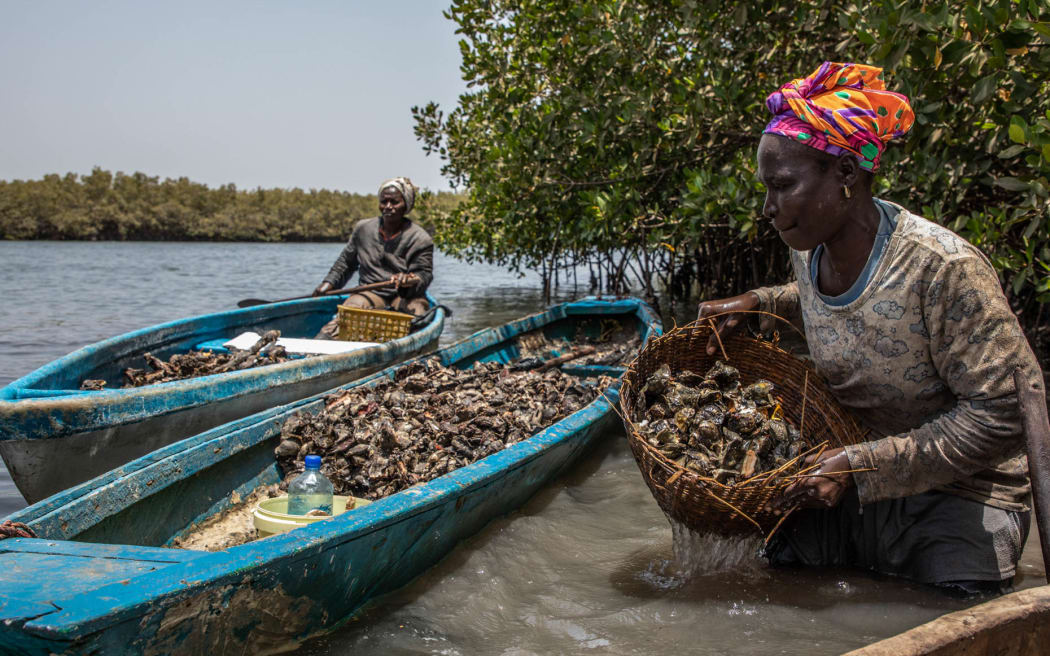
388, 247
908, 323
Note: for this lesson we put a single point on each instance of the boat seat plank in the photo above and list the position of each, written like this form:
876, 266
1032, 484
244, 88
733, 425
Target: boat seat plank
294, 346
71, 568
17, 607
215, 345
592, 370
94, 550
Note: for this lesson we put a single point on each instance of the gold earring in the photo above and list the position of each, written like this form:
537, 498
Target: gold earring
846, 191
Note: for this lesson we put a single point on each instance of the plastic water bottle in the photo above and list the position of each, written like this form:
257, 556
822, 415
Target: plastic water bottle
310, 490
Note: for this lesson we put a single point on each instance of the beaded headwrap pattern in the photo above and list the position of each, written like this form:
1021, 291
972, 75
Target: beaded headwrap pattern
841, 108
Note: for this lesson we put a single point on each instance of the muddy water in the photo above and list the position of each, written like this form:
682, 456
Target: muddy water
586, 567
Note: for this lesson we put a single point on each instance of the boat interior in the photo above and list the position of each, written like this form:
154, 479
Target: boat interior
107, 360
154, 500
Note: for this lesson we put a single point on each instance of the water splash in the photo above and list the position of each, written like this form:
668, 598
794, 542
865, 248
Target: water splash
703, 554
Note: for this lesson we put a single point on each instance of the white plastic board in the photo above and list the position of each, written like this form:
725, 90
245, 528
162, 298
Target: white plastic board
245, 341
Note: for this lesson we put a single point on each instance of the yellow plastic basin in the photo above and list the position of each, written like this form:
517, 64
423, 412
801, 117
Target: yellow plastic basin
271, 517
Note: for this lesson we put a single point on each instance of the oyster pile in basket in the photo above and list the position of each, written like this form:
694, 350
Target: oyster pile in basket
375, 441
713, 425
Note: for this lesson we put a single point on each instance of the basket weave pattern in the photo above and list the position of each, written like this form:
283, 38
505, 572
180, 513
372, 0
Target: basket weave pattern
360, 325
700, 502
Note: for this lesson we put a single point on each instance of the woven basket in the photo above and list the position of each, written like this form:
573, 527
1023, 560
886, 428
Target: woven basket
360, 325
700, 502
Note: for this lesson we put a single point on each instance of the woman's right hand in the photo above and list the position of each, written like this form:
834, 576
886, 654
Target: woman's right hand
322, 288
404, 280
729, 323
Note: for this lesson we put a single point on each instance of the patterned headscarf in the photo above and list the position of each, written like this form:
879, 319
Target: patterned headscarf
407, 189
841, 108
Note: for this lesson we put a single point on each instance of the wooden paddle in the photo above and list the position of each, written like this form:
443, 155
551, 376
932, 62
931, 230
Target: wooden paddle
249, 302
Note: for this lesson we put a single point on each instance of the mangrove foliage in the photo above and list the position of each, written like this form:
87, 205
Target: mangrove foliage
621, 135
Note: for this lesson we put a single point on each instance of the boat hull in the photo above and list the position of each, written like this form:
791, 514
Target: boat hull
1017, 624
52, 439
268, 595
42, 467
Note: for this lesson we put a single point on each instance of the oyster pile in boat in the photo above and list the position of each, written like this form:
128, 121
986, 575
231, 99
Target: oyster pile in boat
375, 441
714, 425
608, 342
199, 363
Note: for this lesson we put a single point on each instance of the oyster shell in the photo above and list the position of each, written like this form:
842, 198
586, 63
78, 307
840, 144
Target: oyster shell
727, 378
760, 393
714, 426
432, 419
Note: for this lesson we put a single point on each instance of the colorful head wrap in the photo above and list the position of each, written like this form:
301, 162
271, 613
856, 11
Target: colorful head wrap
841, 108
407, 189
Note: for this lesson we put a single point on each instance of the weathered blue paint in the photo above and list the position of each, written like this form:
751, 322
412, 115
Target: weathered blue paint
269, 594
45, 420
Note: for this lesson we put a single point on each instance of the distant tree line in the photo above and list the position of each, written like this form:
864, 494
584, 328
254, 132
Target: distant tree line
108, 206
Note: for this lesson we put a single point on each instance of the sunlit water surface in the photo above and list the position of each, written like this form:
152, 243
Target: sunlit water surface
588, 566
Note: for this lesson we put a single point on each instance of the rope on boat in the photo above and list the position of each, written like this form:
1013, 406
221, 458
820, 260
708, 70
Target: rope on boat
11, 529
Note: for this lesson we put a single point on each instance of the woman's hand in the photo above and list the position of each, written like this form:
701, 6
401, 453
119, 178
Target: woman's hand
729, 323
322, 288
404, 280
821, 488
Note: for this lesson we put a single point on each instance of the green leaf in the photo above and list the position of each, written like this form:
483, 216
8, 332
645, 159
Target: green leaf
983, 90
1018, 283
929, 108
740, 15
1012, 184
1016, 133
1033, 225
1046, 152
1012, 151
954, 50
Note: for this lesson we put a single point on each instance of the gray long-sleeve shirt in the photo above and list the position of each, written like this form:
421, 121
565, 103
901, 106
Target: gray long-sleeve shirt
924, 357
412, 251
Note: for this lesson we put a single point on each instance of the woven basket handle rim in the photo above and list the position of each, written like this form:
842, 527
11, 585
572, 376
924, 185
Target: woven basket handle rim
710, 318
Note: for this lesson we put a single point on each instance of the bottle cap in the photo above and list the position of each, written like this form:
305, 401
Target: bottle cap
313, 462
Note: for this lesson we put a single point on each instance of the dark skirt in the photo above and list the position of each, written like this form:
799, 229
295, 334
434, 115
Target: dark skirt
933, 537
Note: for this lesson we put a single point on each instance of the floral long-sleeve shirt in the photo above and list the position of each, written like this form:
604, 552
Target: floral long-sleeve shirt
924, 357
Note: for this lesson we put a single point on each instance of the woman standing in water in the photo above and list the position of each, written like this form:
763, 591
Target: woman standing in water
908, 323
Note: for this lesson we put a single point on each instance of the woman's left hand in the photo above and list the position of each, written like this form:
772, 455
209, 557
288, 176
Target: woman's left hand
822, 487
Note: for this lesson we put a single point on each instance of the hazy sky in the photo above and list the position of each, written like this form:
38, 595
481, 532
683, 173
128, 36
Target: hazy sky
261, 94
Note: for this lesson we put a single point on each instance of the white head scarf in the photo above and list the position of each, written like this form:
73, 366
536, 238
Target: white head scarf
407, 189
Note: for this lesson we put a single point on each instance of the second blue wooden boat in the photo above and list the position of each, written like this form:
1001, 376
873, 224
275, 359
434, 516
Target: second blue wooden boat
99, 580
53, 435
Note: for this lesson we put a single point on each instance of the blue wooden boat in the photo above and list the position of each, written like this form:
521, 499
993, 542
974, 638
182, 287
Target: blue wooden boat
53, 435
99, 580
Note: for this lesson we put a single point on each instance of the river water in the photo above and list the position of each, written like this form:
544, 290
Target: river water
585, 567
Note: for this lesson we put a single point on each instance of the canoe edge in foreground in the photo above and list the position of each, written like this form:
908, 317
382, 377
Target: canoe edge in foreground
1017, 624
